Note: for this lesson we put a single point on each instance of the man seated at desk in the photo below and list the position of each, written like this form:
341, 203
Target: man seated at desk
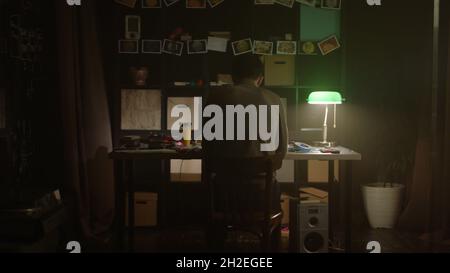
248, 71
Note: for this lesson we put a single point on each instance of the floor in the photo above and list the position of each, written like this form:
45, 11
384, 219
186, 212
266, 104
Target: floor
193, 241
391, 241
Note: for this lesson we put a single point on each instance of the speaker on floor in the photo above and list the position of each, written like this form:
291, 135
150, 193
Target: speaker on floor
313, 227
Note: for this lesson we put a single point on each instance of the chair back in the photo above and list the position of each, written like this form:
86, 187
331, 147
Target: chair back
240, 190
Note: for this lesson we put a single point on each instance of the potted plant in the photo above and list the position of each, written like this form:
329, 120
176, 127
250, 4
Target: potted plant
383, 200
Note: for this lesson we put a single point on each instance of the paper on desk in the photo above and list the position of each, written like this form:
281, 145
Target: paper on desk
217, 44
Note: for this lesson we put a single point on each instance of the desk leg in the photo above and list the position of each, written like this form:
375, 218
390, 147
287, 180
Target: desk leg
301, 180
120, 203
348, 207
294, 241
131, 221
162, 199
331, 200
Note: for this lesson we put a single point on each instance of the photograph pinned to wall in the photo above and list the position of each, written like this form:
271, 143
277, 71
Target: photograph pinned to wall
197, 47
286, 48
185, 37
172, 47
311, 3
129, 46
151, 4
170, 2
264, 2
132, 27
242, 46
329, 45
262, 47
286, 3
331, 4
196, 4
217, 44
127, 3
308, 48
141, 109
215, 3
151, 46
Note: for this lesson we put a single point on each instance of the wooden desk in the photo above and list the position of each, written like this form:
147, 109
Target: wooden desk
123, 165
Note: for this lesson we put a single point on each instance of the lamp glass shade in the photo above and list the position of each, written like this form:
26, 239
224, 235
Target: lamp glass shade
325, 97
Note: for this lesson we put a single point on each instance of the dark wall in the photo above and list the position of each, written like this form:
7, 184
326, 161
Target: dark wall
388, 84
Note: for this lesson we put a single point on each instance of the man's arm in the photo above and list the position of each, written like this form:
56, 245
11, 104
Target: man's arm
284, 134
283, 143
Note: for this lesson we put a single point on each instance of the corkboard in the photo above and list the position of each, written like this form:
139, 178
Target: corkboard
141, 109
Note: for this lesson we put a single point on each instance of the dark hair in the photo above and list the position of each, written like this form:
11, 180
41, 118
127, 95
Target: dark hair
247, 66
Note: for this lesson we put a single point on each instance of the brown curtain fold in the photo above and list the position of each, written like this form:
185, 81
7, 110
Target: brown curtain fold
428, 206
446, 148
88, 186
415, 216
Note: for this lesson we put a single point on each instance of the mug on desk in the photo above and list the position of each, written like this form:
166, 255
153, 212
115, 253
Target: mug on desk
187, 134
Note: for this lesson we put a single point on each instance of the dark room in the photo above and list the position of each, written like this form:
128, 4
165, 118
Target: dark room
257, 128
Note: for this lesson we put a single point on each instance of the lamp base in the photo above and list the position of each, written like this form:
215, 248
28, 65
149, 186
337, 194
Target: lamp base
327, 144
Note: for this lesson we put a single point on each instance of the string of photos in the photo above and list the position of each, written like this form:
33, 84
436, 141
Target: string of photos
178, 40
220, 44
202, 4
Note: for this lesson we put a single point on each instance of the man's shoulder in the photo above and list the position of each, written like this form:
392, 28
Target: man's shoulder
272, 96
218, 93
242, 93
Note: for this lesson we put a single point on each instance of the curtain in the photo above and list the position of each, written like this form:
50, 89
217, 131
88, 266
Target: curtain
88, 186
428, 206
446, 135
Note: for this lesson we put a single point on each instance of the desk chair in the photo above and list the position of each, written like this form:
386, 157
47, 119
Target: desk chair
238, 202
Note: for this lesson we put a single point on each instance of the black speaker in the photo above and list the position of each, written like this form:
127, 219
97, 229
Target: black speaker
313, 227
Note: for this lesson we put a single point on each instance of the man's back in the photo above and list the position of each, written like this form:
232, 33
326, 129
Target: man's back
247, 95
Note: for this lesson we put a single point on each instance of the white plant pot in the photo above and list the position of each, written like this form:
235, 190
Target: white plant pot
383, 204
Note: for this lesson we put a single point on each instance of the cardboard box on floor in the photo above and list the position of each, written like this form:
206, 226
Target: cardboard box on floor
145, 209
306, 195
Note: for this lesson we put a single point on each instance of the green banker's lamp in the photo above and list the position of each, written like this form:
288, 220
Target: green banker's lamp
326, 98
